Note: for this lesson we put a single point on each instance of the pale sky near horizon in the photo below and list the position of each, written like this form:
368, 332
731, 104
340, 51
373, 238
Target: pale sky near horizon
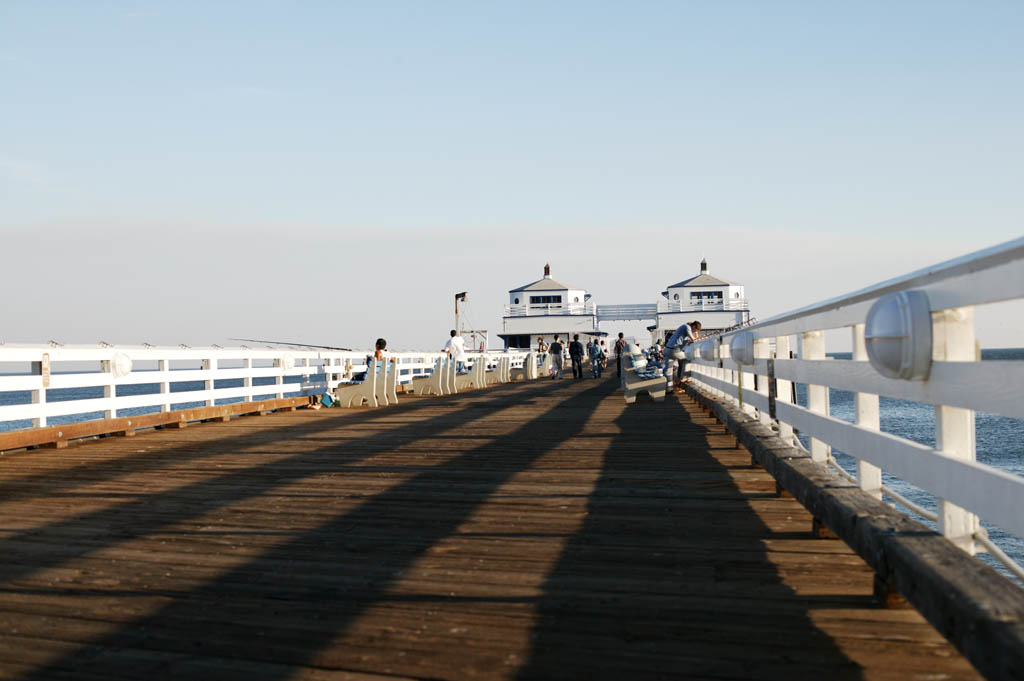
328, 173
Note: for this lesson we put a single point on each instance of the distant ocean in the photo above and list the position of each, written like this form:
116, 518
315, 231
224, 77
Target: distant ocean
1000, 440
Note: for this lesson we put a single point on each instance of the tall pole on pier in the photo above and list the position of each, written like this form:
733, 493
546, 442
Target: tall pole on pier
458, 297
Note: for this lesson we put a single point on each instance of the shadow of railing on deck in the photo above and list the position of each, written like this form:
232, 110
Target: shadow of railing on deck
664, 576
279, 610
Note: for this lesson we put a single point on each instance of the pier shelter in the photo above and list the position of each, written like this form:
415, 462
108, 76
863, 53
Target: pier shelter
546, 307
714, 302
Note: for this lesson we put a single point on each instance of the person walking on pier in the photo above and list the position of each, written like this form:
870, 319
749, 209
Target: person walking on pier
596, 358
555, 350
456, 349
576, 355
620, 349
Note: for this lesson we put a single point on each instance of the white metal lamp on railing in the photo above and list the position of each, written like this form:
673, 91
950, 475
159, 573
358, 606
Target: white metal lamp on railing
707, 350
741, 348
898, 335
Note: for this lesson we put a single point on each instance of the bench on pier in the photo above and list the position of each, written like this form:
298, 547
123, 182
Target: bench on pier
500, 374
378, 389
476, 377
527, 372
638, 377
441, 381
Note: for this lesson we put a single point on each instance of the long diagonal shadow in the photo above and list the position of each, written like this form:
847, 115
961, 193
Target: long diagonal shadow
62, 541
321, 580
668, 576
50, 482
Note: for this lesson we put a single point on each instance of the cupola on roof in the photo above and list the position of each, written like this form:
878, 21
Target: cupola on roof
545, 284
702, 279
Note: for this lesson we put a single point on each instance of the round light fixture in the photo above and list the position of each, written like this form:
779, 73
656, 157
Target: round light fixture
741, 347
898, 335
120, 365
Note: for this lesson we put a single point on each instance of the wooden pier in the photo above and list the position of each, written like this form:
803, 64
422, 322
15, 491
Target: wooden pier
540, 530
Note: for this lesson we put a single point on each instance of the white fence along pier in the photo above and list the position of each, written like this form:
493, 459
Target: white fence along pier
913, 338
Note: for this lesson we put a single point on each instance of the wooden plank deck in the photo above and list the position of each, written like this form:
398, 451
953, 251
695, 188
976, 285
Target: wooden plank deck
529, 531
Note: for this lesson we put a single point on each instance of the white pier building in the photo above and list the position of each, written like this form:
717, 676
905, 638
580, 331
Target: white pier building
547, 307
715, 303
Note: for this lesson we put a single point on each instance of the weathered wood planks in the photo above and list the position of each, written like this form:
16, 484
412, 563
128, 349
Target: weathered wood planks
538, 530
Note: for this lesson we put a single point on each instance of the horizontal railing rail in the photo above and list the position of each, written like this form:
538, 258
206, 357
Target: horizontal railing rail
542, 309
687, 306
775, 354
43, 385
628, 312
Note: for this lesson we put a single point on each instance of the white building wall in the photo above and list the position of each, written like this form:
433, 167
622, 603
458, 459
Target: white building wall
548, 324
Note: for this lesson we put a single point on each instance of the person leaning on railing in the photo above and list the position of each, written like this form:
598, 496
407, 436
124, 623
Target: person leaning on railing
684, 335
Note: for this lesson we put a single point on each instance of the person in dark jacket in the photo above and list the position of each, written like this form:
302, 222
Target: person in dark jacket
620, 350
555, 350
576, 355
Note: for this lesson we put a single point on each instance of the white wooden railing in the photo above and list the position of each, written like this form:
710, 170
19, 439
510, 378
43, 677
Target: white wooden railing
540, 309
957, 385
226, 375
702, 305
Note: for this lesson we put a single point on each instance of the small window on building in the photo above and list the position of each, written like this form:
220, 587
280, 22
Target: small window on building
677, 296
517, 302
736, 295
576, 299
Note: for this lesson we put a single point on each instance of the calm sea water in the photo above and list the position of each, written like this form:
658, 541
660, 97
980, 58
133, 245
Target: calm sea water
1000, 440
1000, 443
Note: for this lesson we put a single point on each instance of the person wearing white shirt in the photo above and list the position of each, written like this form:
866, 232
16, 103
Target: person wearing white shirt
456, 349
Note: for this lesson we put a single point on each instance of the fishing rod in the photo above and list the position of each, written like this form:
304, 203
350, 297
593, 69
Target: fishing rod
300, 345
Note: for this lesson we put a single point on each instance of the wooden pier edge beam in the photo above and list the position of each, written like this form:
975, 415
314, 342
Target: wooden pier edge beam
973, 606
59, 436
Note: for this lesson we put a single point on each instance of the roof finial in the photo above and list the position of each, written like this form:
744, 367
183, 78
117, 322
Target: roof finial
547, 271
704, 266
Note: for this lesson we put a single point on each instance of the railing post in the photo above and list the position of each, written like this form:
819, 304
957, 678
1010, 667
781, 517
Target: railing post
247, 380
783, 387
279, 379
164, 367
762, 351
109, 392
208, 383
41, 369
865, 405
812, 348
953, 341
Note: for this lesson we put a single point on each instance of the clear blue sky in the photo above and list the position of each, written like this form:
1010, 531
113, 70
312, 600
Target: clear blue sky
153, 152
